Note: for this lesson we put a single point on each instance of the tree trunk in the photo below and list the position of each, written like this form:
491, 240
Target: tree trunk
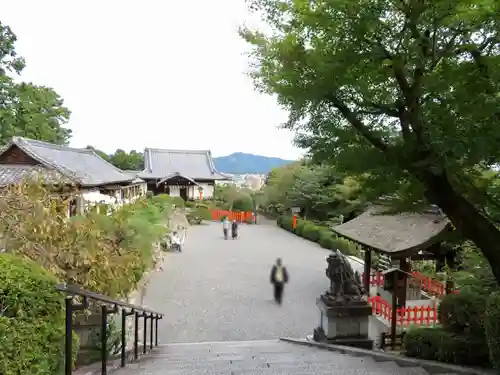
466, 218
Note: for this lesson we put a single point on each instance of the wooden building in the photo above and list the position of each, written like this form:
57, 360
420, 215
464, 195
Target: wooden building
180, 173
403, 237
83, 169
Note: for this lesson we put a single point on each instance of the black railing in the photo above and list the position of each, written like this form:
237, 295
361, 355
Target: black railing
108, 307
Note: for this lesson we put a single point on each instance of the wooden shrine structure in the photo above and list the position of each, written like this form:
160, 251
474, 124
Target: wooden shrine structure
403, 237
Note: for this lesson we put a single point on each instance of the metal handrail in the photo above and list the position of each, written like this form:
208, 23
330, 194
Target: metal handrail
76, 290
127, 309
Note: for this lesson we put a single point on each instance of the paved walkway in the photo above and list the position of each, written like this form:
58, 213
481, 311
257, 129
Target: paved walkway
217, 290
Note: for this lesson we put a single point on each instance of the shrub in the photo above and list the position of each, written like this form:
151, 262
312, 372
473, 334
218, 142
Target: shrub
299, 228
445, 346
492, 328
423, 343
243, 203
106, 254
311, 232
198, 215
328, 241
32, 319
463, 313
287, 223
177, 201
279, 221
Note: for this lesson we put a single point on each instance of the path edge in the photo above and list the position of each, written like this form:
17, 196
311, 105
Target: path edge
432, 367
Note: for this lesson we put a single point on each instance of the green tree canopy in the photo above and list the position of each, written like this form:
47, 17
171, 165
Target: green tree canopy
26, 109
403, 92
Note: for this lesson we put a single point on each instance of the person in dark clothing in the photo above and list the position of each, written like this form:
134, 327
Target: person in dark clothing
234, 229
279, 277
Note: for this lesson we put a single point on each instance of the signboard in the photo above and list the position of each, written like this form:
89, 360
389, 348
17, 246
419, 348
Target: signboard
296, 210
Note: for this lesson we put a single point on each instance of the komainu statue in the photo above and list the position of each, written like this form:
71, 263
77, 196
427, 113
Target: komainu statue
345, 284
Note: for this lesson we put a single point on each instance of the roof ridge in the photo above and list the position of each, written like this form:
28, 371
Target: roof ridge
25, 145
107, 162
51, 145
177, 150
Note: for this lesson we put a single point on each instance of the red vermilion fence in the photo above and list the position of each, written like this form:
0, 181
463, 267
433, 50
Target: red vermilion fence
429, 285
415, 315
240, 217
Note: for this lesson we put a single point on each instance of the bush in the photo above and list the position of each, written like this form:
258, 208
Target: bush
32, 319
311, 232
286, 222
198, 215
243, 203
463, 313
324, 236
492, 328
299, 229
445, 346
106, 254
328, 242
177, 201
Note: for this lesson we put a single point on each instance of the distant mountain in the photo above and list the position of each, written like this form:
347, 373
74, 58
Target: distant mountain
240, 163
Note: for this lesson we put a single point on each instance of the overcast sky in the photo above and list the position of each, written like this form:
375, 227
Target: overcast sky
150, 73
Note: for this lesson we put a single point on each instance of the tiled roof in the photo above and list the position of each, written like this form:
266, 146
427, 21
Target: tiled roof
83, 166
395, 234
11, 174
197, 165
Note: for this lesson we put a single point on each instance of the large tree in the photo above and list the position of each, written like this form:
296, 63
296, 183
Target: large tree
405, 92
26, 109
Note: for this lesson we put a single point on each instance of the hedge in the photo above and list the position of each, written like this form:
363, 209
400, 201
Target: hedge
492, 328
317, 233
462, 318
32, 319
439, 344
463, 313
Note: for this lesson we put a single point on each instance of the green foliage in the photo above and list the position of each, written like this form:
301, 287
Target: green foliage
243, 203
133, 160
107, 254
462, 318
492, 325
402, 98
463, 313
113, 342
27, 110
328, 241
32, 319
441, 345
319, 191
311, 232
177, 201
198, 214
316, 233
474, 274
234, 198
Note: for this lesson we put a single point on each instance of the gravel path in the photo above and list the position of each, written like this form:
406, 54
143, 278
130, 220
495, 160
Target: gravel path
217, 290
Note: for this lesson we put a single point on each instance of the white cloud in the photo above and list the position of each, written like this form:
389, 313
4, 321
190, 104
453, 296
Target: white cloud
167, 74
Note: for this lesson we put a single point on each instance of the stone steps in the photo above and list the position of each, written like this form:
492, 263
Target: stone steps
260, 358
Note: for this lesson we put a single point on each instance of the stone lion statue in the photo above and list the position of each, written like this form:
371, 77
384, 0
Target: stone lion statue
345, 284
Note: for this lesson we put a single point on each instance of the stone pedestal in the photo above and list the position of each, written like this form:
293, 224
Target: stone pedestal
345, 324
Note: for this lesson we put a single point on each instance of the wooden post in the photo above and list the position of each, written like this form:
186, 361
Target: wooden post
367, 271
394, 320
403, 266
294, 222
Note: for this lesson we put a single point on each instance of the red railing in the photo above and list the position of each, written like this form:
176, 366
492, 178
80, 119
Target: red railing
241, 217
416, 315
429, 285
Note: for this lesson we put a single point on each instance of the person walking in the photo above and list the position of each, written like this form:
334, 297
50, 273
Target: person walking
234, 229
225, 227
279, 277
